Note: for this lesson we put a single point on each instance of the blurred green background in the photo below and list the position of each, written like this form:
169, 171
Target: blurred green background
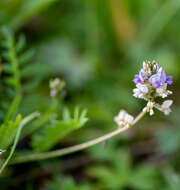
97, 46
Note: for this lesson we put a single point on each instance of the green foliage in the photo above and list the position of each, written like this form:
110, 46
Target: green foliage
8, 131
57, 129
173, 136
17, 136
11, 78
46, 117
119, 173
170, 134
64, 183
14, 58
10, 56
172, 179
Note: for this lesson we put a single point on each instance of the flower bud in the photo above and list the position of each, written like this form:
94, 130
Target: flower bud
56, 85
123, 118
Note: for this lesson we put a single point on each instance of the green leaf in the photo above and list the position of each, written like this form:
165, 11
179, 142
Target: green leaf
108, 178
45, 117
54, 132
20, 126
66, 115
20, 43
8, 132
14, 57
13, 108
144, 177
82, 119
26, 56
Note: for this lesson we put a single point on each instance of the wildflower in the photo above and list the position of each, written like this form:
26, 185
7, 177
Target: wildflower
123, 118
152, 82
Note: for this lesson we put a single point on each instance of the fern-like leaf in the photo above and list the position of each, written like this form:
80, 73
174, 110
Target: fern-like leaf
54, 132
14, 57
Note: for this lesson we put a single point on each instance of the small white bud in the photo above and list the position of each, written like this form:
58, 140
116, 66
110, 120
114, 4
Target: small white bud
56, 85
123, 118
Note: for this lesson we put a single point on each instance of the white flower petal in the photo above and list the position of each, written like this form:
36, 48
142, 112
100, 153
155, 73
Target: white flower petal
143, 88
151, 112
167, 111
166, 104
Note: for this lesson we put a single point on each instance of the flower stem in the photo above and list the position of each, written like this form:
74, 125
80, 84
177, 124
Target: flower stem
71, 149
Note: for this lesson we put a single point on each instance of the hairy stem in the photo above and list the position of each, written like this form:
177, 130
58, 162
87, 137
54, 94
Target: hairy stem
71, 149
20, 127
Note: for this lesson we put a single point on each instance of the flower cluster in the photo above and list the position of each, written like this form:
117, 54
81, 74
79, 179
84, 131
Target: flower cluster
152, 82
124, 119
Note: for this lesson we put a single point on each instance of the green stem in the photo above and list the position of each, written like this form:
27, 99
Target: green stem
68, 150
21, 125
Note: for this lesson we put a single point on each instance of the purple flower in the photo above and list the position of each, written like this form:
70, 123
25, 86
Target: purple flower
158, 79
137, 79
169, 80
151, 83
141, 77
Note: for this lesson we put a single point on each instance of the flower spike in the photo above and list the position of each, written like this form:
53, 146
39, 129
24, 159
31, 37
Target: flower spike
152, 82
